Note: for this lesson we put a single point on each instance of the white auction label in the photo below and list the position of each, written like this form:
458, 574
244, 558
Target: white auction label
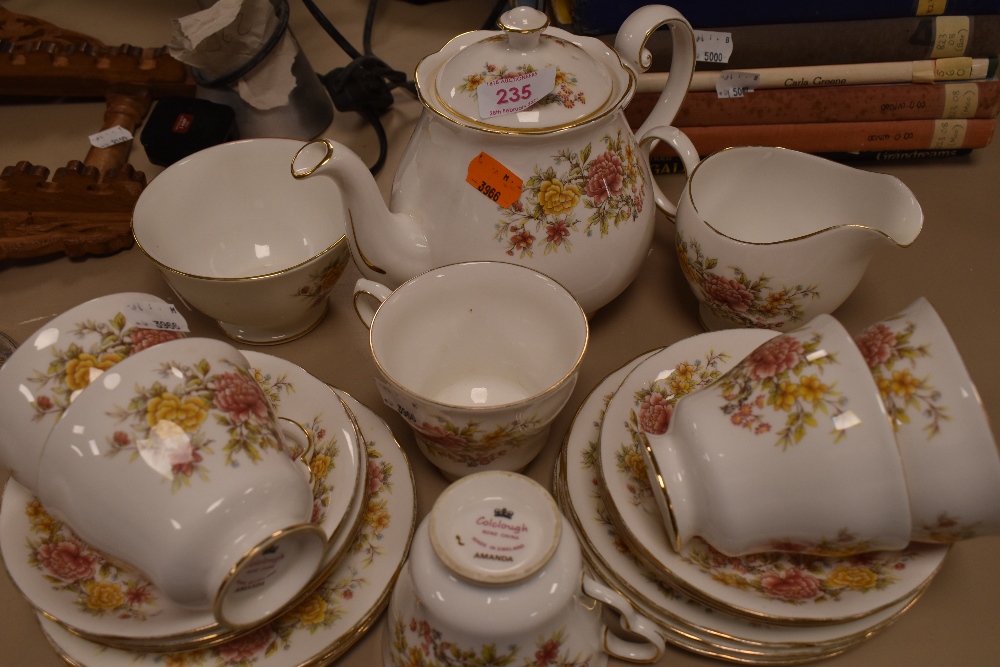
713, 47
515, 93
735, 84
151, 315
110, 137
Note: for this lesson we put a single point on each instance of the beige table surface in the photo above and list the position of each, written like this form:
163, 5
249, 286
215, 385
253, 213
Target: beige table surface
957, 622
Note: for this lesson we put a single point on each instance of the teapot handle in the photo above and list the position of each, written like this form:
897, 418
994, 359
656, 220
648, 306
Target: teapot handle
366, 291
682, 146
630, 43
648, 651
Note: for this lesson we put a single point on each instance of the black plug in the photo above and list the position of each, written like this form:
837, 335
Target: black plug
361, 86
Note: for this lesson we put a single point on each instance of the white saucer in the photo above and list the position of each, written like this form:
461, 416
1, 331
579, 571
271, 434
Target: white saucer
759, 586
128, 611
337, 614
686, 622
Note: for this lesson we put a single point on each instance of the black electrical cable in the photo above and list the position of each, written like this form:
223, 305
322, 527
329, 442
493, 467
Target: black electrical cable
281, 12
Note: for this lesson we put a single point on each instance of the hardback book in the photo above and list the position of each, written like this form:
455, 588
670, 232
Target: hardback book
671, 164
849, 74
598, 17
831, 104
911, 135
837, 42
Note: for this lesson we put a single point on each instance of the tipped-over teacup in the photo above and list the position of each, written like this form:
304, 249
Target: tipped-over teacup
175, 462
240, 239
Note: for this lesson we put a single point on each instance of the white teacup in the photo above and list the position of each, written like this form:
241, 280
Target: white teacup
478, 357
240, 239
174, 462
948, 451
790, 450
496, 567
46, 372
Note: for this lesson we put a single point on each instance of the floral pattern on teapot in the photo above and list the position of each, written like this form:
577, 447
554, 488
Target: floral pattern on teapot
776, 375
748, 303
158, 412
609, 184
73, 368
902, 392
653, 406
467, 444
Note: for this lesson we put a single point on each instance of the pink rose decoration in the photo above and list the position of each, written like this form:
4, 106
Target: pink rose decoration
556, 232
792, 585
68, 560
654, 414
773, 357
876, 344
728, 292
247, 646
376, 477
604, 178
240, 396
144, 338
183, 459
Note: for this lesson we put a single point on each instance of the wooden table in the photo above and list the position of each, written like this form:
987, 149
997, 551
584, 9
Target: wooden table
957, 622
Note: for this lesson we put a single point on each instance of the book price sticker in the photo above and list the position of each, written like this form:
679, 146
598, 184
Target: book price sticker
494, 180
713, 47
110, 137
948, 134
960, 100
160, 316
735, 84
515, 93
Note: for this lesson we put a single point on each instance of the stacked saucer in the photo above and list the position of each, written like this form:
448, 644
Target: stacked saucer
99, 611
766, 608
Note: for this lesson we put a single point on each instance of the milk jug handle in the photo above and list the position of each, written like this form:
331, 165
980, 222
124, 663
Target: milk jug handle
631, 621
630, 43
682, 146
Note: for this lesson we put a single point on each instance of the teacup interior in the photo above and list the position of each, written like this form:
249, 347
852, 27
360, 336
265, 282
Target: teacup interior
235, 211
765, 195
479, 334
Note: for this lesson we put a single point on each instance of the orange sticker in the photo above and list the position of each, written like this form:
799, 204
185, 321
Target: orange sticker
494, 180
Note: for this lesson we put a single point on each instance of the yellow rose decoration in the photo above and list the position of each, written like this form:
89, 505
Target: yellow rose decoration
78, 370
636, 465
41, 520
104, 595
811, 389
188, 413
320, 465
557, 198
857, 578
312, 611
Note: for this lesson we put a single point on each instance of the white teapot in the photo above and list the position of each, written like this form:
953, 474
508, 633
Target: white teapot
522, 154
495, 575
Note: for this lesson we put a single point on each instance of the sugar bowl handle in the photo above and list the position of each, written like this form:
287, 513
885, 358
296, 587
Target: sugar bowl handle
365, 292
643, 652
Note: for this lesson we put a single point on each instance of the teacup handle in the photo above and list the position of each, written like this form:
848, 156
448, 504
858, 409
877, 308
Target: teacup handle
309, 450
648, 651
682, 146
366, 291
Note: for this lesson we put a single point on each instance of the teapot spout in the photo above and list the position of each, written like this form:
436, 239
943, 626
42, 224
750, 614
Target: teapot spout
387, 246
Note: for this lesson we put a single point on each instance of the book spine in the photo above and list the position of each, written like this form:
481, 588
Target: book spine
596, 17
831, 104
671, 164
851, 74
844, 137
841, 42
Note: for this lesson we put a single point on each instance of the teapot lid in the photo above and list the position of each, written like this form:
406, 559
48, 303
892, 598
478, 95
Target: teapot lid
524, 78
494, 527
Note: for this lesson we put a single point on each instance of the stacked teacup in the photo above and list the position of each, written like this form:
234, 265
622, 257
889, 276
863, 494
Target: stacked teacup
163, 452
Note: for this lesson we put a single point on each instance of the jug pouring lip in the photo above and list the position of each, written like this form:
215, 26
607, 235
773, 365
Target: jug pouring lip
799, 237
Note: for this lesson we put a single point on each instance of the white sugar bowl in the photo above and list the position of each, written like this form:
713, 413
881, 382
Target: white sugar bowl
495, 573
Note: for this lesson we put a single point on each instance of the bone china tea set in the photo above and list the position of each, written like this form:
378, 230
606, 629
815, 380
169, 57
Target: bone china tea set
775, 490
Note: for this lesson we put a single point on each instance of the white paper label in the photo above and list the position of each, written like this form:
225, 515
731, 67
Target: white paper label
161, 316
515, 93
110, 137
713, 47
735, 84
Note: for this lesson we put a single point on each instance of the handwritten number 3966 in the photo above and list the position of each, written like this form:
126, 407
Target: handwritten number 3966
515, 94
